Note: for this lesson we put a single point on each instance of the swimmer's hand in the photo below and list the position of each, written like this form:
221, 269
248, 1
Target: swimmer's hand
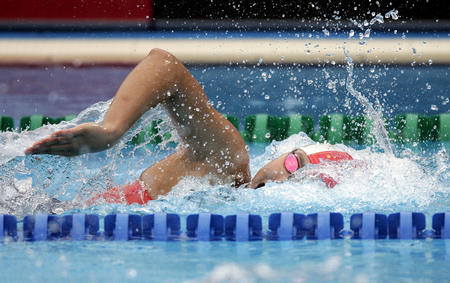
84, 138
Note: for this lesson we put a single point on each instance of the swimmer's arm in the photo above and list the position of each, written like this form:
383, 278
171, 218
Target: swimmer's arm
147, 85
154, 80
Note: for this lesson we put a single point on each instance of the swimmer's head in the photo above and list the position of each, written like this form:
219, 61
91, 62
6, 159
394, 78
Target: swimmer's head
280, 169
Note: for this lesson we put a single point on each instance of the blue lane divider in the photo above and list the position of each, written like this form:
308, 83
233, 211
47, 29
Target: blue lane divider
161, 226
2, 228
323, 225
406, 225
286, 226
368, 225
286, 230
242, 230
123, 227
8, 228
41, 227
441, 225
213, 227
205, 227
243, 227
80, 226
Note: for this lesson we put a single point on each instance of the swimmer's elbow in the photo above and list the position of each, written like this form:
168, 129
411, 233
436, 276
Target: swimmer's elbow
162, 54
158, 51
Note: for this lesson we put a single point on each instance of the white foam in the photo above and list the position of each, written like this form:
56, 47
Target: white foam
384, 183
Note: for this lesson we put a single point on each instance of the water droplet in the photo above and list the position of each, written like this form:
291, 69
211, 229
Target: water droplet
190, 116
351, 33
434, 107
267, 135
430, 61
266, 97
378, 18
326, 32
392, 14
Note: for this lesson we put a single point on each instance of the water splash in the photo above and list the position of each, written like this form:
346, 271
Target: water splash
376, 181
385, 183
55, 184
375, 115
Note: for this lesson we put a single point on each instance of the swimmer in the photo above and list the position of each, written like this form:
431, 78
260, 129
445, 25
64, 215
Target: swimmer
287, 164
210, 144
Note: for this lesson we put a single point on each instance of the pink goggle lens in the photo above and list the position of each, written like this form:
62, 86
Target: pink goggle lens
291, 163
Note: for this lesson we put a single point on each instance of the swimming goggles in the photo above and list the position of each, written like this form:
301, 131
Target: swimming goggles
292, 162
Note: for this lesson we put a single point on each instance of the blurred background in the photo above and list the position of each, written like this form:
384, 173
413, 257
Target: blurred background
211, 14
277, 57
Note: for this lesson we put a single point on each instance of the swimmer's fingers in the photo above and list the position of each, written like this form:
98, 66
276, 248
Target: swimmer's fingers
58, 144
84, 138
64, 150
45, 143
70, 139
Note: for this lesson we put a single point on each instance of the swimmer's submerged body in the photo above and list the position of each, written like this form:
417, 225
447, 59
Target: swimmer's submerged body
210, 143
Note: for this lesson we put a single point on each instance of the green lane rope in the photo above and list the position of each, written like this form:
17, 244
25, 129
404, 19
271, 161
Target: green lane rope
6, 123
444, 127
333, 128
294, 124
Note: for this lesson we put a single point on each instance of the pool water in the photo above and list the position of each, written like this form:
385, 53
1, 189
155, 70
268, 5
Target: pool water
237, 90
413, 177
299, 261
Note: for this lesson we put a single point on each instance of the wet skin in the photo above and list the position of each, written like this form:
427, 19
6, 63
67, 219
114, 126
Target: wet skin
210, 143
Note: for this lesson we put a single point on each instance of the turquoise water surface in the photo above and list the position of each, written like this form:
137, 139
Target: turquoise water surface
411, 177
